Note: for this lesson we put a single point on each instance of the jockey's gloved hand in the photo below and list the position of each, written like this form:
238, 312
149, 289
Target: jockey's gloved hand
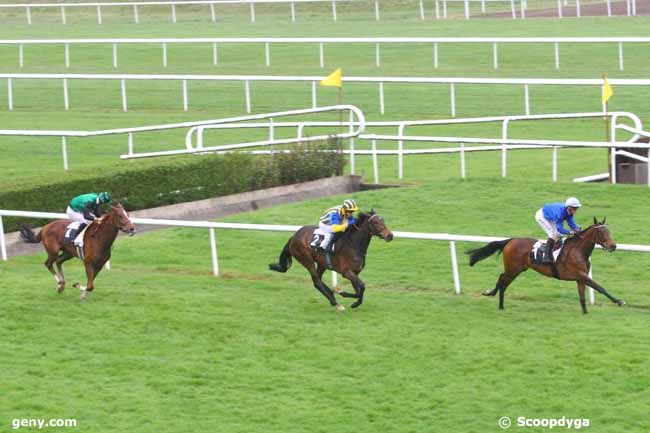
89, 216
573, 232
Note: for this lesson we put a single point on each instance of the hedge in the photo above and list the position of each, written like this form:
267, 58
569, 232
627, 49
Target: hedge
201, 177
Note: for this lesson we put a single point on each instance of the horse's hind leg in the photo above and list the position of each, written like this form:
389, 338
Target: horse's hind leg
51, 258
59, 262
502, 284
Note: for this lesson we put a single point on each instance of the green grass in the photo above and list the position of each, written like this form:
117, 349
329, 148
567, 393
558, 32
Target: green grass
164, 346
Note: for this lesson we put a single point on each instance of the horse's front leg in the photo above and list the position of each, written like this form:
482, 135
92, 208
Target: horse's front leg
91, 273
594, 285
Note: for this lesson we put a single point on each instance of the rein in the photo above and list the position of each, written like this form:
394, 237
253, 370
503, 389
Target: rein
368, 220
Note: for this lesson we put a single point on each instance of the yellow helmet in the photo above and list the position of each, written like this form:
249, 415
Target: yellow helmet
350, 206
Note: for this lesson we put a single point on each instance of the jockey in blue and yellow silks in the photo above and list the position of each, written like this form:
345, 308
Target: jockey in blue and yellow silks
333, 223
551, 218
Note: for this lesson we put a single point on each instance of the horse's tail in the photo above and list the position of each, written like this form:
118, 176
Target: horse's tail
28, 235
479, 254
284, 261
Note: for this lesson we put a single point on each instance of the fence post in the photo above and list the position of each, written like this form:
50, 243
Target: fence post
99, 14
213, 248
592, 297
437, 9
335, 281
504, 136
513, 9
115, 56
526, 100
293, 12
462, 160
64, 150
63, 14
3, 248
351, 144
123, 89
10, 94
435, 55
620, 56
377, 10
554, 163
577, 8
21, 56
375, 168
252, 12
247, 88
454, 266
466, 6
400, 148
381, 97
136, 17
67, 56
495, 59
184, 95
313, 94
130, 143
174, 13
559, 8
444, 8
29, 15
65, 94
322, 55
334, 10
213, 15
557, 55
421, 10
377, 63
267, 52
164, 53
215, 54
452, 96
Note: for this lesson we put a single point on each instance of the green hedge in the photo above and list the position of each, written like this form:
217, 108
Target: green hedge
198, 178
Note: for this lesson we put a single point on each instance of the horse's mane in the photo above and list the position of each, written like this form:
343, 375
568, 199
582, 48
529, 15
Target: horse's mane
363, 216
575, 238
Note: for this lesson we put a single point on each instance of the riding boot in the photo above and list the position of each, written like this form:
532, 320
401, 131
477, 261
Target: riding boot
548, 254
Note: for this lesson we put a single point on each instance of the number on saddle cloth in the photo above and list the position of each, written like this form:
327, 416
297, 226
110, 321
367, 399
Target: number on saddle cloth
72, 231
537, 253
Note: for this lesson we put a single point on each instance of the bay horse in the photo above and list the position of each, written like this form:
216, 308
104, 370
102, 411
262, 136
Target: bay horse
349, 258
98, 239
572, 264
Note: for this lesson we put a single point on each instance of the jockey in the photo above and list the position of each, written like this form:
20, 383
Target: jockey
85, 209
333, 223
551, 218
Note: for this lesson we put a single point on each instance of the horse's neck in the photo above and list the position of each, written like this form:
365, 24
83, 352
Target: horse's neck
587, 243
361, 238
105, 233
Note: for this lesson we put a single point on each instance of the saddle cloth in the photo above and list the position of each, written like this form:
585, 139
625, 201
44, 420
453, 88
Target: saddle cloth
321, 235
72, 231
537, 253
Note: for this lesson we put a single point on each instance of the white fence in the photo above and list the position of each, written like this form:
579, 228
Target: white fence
525, 84
355, 115
503, 144
321, 41
172, 4
211, 226
440, 8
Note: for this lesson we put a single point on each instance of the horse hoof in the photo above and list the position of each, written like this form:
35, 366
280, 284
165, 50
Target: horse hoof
620, 302
488, 293
340, 308
355, 305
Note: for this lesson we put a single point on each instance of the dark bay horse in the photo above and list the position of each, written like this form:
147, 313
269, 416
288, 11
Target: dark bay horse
98, 239
349, 258
572, 264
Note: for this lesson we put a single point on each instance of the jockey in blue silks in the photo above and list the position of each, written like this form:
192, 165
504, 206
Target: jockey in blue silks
551, 218
333, 223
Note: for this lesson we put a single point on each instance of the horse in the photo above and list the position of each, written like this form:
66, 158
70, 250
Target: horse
349, 258
98, 239
571, 265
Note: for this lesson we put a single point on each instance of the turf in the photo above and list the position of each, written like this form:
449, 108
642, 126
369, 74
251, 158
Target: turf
163, 346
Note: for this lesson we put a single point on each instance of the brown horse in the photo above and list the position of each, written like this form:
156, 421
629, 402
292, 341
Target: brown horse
572, 264
98, 239
349, 259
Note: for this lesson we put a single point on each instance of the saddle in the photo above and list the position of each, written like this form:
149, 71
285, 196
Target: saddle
537, 253
71, 232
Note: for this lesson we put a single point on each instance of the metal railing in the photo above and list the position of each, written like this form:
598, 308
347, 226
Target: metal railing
525, 83
321, 41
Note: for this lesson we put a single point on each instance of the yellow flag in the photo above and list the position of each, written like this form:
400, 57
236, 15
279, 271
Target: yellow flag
607, 90
334, 79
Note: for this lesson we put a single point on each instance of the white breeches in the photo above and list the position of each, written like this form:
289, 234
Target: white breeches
546, 225
76, 216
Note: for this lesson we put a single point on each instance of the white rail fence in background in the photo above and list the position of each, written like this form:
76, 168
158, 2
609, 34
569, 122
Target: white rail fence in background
321, 41
355, 115
212, 226
525, 84
172, 4
440, 8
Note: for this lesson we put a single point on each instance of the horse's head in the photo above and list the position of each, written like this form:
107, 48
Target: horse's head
376, 225
121, 219
602, 236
